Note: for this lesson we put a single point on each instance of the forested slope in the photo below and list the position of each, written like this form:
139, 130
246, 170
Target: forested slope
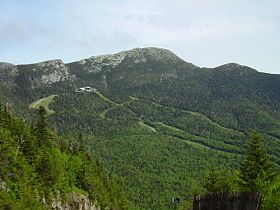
38, 170
157, 122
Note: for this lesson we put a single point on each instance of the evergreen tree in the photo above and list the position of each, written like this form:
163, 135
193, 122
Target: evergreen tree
5, 117
83, 144
42, 133
256, 166
29, 172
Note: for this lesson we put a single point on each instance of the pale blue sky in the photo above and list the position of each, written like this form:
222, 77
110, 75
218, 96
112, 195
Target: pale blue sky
204, 32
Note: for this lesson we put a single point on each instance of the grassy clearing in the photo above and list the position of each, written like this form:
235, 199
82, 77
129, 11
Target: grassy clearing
147, 126
104, 97
133, 98
202, 116
44, 102
196, 140
103, 114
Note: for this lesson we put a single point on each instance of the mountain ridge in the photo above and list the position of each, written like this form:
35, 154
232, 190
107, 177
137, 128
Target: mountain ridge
157, 124
130, 52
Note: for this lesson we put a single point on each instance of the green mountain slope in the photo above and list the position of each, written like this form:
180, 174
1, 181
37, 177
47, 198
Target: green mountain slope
156, 121
41, 171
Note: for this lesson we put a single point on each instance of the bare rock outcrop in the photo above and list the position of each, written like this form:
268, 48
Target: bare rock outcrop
75, 201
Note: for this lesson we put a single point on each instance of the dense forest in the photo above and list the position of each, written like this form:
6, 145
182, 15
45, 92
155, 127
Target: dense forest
155, 122
37, 166
258, 173
39, 169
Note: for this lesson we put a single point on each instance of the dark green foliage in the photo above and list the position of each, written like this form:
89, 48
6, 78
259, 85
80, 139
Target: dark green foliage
271, 194
155, 167
16, 174
158, 122
257, 165
33, 166
41, 129
258, 174
23, 88
222, 180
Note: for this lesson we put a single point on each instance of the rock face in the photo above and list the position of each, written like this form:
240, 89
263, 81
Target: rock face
53, 71
96, 63
43, 73
76, 201
7, 73
108, 62
3, 186
4, 65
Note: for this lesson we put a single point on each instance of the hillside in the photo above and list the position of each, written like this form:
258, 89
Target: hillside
157, 122
42, 171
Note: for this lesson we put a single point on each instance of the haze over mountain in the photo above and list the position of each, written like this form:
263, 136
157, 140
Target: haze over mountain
156, 121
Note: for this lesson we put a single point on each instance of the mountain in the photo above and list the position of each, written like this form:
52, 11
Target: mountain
156, 121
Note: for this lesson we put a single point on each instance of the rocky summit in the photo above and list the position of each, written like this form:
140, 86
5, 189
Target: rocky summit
155, 121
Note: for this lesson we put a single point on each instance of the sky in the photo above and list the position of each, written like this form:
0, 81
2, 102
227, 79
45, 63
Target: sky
207, 33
